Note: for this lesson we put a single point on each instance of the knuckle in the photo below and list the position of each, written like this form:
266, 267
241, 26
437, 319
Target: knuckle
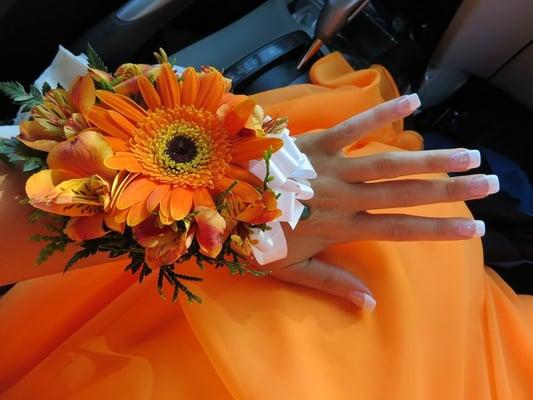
396, 230
385, 166
434, 162
344, 128
402, 194
440, 229
452, 189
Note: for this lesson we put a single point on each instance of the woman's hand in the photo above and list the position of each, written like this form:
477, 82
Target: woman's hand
345, 190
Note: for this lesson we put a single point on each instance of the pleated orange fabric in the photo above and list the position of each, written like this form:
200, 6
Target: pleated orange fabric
445, 326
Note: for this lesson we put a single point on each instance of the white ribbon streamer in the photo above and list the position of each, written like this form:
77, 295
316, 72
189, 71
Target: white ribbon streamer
290, 169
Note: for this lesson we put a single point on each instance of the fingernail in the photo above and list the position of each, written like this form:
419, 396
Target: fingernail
405, 105
484, 185
466, 159
471, 228
363, 300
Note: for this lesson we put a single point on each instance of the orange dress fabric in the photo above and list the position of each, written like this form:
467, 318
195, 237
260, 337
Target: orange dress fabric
445, 326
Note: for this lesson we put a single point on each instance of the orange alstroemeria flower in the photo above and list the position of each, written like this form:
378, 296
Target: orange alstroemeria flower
261, 211
182, 149
164, 244
124, 79
62, 115
77, 185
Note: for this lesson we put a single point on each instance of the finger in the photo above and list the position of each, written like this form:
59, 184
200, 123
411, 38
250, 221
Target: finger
401, 227
360, 125
414, 192
327, 278
401, 163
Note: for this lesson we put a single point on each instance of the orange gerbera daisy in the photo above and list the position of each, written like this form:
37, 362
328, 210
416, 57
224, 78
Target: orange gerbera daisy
188, 142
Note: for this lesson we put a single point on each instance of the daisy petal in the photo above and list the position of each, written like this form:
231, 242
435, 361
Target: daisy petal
210, 92
156, 197
254, 148
245, 191
123, 161
202, 197
137, 213
100, 117
180, 203
135, 192
243, 175
190, 86
168, 87
122, 104
148, 92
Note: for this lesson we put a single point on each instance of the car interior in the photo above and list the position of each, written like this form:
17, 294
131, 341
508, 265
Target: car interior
470, 61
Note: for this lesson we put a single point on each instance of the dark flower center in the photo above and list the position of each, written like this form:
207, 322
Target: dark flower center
182, 149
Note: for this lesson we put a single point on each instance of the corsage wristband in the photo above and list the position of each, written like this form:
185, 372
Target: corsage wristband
160, 166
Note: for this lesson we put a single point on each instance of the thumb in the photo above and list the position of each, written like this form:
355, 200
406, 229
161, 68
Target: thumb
329, 279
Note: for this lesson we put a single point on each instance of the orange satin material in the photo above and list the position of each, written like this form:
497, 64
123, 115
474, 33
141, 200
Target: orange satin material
445, 327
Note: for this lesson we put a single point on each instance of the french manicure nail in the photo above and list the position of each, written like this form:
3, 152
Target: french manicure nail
405, 105
484, 185
466, 159
363, 300
471, 228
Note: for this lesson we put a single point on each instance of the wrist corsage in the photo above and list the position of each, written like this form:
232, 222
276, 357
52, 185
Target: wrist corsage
160, 166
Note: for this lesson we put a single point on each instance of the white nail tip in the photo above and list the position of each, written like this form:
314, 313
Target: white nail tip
494, 183
369, 304
414, 101
474, 157
479, 228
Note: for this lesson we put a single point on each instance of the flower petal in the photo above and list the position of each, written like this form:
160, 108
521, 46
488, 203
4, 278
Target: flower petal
148, 92
83, 94
247, 149
190, 86
123, 122
102, 119
122, 104
137, 213
54, 192
83, 156
123, 161
35, 136
210, 232
156, 197
113, 224
211, 91
258, 215
202, 197
164, 209
128, 87
242, 189
85, 228
118, 145
243, 175
235, 116
138, 190
180, 203
168, 87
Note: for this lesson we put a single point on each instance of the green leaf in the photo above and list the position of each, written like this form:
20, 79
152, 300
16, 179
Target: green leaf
12, 151
79, 255
94, 59
32, 163
18, 95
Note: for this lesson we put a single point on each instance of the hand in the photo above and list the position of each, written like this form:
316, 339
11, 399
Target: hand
344, 191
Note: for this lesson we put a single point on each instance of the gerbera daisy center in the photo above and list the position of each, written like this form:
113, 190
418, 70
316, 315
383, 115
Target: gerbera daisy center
181, 149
